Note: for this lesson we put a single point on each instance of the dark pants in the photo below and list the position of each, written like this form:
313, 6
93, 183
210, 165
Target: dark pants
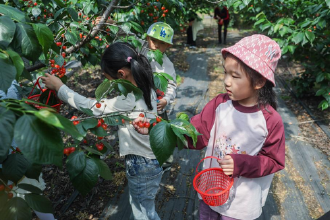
206, 213
190, 40
225, 23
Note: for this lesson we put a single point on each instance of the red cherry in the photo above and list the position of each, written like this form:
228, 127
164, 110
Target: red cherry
99, 123
75, 122
140, 124
123, 121
64, 47
104, 126
35, 4
10, 195
100, 146
163, 15
52, 61
72, 149
141, 115
2, 187
158, 119
58, 43
66, 151
102, 121
148, 3
163, 8
98, 105
100, 138
154, 124
85, 141
147, 124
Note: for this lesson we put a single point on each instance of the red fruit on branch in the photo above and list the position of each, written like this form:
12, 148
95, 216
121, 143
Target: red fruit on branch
10, 195
100, 138
163, 8
64, 47
141, 115
99, 123
154, 124
100, 146
158, 119
66, 151
72, 149
35, 4
2, 187
140, 124
85, 141
58, 43
98, 105
123, 121
104, 126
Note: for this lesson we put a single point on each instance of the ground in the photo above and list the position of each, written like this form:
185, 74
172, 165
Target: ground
69, 205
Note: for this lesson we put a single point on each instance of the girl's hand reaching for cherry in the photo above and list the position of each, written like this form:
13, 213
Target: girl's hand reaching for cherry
52, 82
142, 124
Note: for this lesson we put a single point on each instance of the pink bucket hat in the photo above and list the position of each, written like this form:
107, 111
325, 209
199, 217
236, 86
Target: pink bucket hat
258, 52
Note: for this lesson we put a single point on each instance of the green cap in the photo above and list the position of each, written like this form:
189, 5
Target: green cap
161, 31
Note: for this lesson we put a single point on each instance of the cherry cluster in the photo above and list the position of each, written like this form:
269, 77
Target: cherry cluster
7, 189
69, 150
160, 94
101, 123
147, 124
154, 12
99, 146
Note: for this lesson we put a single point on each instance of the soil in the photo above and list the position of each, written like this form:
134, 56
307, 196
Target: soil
59, 188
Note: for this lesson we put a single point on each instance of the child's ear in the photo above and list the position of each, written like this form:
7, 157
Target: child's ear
261, 82
121, 74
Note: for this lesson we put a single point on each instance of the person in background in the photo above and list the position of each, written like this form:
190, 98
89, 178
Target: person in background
223, 17
191, 41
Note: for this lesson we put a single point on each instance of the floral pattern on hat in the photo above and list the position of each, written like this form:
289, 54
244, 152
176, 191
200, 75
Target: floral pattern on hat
259, 52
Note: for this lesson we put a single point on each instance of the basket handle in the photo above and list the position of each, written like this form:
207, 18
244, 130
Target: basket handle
36, 84
204, 159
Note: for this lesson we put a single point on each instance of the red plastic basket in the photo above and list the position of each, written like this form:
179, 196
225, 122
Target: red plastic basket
213, 184
37, 97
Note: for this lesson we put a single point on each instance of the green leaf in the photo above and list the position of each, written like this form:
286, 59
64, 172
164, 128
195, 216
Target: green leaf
33, 171
114, 29
265, 26
319, 77
59, 121
179, 143
160, 82
87, 111
93, 151
310, 36
75, 163
16, 208
103, 89
162, 141
305, 24
30, 188
89, 123
156, 55
7, 73
7, 31
184, 127
87, 179
71, 37
298, 37
59, 60
15, 166
39, 203
105, 172
126, 27
58, 13
7, 122
137, 27
44, 35
13, 13
259, 21
323, 105
167, 76
26, 39
98, 131
39, 142
18, 62
73, 13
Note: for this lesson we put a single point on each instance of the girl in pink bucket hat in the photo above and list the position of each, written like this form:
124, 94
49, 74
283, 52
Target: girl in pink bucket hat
243, 129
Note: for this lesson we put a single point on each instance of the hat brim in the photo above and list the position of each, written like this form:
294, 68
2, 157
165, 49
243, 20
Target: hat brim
250, 59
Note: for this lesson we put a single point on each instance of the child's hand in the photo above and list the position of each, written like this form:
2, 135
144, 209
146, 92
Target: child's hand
137, 125
52, 82
227, 165
161, 104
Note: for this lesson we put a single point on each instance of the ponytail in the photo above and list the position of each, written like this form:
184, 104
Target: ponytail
119, 55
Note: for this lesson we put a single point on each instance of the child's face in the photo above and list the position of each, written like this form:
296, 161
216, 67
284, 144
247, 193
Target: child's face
157, 44
238, 84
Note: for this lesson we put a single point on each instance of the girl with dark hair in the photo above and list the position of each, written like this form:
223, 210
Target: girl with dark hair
121, 61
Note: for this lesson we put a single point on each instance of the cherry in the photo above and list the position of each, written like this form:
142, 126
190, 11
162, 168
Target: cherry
148, 3
163, 15
100, 146
147, 124
58, 43
104, 126
10, 195
57, 66
98, 105
64, 47
100, 138
85, 141
158, 119
102, 121
52, 61
163, 8
72, 149
35, 4
140, 124
154, 124
142, 11
123, 121
2, 187
141, 115
99, 123
66, 151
